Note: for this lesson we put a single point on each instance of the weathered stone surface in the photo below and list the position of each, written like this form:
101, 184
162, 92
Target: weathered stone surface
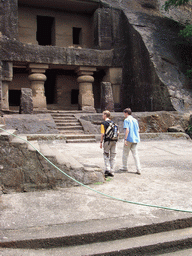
149, 122
17, 51
29, 124
93, 177
154, 63
107, 102
8, 18
26, 102
176, 128
22, 170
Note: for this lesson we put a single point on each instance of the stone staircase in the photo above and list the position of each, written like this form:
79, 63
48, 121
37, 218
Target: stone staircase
96, 238
68, 124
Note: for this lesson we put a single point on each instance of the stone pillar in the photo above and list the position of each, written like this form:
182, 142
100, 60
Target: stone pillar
114, 76
26, 102
37, 79
7, 77
5, 95
107, 102
85, 80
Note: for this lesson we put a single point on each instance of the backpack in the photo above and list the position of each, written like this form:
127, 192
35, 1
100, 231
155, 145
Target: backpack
112, 131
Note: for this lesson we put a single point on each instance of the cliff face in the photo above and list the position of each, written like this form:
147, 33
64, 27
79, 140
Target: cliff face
156, 57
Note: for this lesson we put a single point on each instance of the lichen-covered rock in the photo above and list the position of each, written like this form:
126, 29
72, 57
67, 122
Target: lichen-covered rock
107, 102
26, 102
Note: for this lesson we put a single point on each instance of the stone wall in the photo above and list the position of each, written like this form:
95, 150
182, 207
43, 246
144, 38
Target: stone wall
63, 26
149, 122
65, 84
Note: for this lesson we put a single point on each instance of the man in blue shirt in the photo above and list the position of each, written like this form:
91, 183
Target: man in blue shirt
131, 140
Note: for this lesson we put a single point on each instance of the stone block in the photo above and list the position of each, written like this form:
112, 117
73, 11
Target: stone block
107, 102
26, 103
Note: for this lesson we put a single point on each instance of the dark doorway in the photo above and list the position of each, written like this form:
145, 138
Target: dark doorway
50, 88
77, 36
45, 30
74, 96
14, 97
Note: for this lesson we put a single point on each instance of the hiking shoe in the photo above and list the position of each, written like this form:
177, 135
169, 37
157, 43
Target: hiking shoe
108, 173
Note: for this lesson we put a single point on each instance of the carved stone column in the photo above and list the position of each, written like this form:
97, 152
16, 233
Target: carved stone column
5, 95
37, 79
85, 80
7, 76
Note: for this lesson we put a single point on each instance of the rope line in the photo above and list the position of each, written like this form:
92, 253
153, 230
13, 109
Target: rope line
96, 191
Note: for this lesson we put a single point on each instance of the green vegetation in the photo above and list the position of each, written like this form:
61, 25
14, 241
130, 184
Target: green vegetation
189, 130
186, 32
170, 3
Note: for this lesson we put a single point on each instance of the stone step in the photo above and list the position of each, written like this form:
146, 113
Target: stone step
62, 115
68, 160
96, 237
70, 132
76, 127
7, 136
65, 111
67, 123
46, 150
21, 140
80, 140
33, 146
65, 119
80, 136
149, 244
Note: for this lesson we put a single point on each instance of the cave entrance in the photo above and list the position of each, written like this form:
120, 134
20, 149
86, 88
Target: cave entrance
50, 87
14, 98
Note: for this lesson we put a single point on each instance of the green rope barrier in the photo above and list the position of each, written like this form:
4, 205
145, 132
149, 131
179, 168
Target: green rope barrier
96, 191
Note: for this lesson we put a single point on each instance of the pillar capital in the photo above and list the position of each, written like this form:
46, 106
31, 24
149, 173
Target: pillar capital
85, 71
38, 68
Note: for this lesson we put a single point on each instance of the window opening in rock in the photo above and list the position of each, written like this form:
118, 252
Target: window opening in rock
45, 30
74, 96
77, 34
14, 97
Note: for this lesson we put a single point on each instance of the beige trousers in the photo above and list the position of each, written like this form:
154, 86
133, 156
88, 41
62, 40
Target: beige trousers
126, 149
109, 153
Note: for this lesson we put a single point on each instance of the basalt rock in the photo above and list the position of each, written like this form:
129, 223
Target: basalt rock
26, 102
107, 102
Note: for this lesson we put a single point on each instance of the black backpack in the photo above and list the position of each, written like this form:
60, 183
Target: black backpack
112, 131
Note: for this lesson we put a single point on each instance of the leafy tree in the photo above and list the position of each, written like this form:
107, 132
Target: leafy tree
170, 3
187, 31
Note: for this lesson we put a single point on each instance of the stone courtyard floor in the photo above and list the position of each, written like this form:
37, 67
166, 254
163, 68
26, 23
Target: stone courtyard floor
166, 180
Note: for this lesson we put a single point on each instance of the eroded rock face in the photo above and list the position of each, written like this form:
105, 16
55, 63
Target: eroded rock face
154, 70
30, 124
149, 122
22, 170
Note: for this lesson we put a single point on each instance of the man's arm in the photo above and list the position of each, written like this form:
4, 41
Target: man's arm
102, 135
126, 135
102, 138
